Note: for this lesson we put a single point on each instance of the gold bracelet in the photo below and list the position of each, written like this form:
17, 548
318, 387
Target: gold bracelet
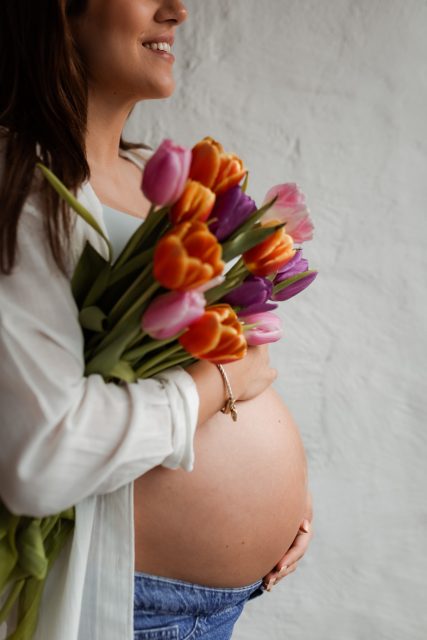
230, 403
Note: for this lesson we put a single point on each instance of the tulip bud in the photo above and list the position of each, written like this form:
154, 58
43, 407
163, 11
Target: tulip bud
172, 312
214, 168
252, 295
296, 265
268, 328
195, 203
292, 286
217, 336
290, 208
293, 278
231, 210
166, 173
271, 254
187, 256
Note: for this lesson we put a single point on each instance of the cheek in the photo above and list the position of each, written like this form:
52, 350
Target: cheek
115, 28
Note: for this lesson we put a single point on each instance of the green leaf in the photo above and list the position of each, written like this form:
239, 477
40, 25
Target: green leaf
62, 190
245, 241
123, 371
134, 264
253, 218
92, 318
87, 269
131, 294
245, 182
108, 357
98, 287
151, 222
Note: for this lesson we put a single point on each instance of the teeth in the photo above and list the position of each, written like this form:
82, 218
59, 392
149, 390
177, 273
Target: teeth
162, 46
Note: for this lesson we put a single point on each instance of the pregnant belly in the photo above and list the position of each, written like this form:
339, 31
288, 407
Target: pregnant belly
231, 519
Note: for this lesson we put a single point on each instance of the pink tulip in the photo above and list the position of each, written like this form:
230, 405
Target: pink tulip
166, 173
290, 207
172, 312
268, 328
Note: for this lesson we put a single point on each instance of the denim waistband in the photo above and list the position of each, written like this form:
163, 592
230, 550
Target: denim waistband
169, 595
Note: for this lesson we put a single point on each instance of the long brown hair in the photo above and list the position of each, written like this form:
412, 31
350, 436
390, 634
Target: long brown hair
43, 116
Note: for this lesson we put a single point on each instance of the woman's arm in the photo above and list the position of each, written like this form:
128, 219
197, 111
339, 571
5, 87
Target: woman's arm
65, 436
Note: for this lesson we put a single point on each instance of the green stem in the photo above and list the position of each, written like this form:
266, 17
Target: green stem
161, 357
181, 359
138, 352
135, 310
153, 219
61, 189
129, 294
239, 266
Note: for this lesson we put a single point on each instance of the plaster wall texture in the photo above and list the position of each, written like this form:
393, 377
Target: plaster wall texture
333, 95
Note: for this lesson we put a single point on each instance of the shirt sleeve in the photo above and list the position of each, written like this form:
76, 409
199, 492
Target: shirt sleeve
65, 436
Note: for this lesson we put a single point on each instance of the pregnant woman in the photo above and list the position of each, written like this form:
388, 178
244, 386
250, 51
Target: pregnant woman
157, 552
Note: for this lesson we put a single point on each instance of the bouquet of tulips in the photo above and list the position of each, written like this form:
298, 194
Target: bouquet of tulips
199, 279
168, 299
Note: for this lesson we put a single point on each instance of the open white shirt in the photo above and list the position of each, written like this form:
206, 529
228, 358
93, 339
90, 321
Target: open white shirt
67, 439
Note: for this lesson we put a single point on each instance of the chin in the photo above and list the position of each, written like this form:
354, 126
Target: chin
157, 90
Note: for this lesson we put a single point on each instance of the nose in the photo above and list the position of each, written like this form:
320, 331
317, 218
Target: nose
173, 11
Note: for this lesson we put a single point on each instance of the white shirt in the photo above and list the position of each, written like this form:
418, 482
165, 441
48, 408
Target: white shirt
69, 440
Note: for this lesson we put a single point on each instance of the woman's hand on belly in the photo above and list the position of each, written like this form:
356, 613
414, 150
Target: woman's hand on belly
289, 562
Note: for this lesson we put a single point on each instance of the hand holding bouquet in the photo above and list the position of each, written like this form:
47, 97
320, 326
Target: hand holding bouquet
199, 279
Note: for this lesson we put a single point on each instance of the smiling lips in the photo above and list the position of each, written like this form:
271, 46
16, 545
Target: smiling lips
158, 46
161, 44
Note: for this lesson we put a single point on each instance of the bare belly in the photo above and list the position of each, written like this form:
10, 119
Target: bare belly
231, 519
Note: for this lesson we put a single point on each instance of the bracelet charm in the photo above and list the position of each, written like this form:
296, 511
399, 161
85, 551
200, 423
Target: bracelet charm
230, 403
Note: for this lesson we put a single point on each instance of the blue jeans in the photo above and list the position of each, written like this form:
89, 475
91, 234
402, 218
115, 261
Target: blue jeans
169, 609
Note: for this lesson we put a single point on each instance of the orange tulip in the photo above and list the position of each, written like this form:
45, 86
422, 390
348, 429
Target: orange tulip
214, 168
195, 203
217, 336
187, 256
271, 254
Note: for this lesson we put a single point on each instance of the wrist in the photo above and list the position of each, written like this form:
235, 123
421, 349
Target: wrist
230, 400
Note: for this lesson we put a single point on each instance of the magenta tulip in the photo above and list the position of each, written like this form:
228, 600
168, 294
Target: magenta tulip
290, 287
268, 328
172, 312
166, 173
293, 278
290, 207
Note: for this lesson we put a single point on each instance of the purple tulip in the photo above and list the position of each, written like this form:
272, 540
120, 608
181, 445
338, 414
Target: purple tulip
166, 173
253, 295
268, 328
253, 290
298, 265
172, 312
231, 210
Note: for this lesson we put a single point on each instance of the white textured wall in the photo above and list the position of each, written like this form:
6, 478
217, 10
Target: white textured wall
333, 94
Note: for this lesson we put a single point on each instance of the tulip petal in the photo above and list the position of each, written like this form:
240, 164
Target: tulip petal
166, 173
205, 163
203, 335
